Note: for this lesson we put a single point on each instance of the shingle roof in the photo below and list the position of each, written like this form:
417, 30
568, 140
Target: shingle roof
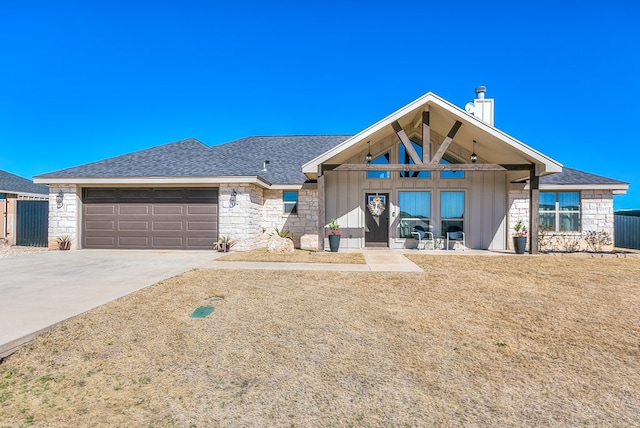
574, 176
245, 157
11, 183
191, 158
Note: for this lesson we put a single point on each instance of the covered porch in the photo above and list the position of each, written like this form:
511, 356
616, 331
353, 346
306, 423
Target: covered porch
431, 165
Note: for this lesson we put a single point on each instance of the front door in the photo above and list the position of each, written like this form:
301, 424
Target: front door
376, 217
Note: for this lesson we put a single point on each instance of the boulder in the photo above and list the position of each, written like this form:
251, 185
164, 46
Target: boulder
277, 244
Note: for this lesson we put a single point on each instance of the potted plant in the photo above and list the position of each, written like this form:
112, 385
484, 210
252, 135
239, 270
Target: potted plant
64, 242
519, 237
225, 243
334, 235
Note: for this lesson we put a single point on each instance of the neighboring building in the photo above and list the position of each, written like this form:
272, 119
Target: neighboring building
431, 163
12, 189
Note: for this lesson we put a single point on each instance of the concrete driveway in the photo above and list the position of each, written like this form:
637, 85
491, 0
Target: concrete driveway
39, 290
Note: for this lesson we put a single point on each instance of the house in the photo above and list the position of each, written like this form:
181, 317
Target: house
12, 189
430, 163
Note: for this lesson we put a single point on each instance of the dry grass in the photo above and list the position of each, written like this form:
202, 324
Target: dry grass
475, 341
299, 256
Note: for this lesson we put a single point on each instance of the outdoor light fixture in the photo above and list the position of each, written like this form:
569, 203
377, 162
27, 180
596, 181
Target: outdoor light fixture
59, 199
369, 157
474, 156
232, 198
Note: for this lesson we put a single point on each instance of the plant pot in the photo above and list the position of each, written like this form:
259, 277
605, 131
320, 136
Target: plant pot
64, 245
223, 247
519, 244
334, 242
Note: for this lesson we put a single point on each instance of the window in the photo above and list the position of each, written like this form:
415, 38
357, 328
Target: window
383, 159
415, 210
451, 211
559, 211
405, 158
449, 160
290, 202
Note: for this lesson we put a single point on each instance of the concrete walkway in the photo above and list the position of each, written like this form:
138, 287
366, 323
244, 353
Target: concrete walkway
39, 290
376, 261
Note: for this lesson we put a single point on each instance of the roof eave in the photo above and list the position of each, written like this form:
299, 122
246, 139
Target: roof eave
116, 181
617, 188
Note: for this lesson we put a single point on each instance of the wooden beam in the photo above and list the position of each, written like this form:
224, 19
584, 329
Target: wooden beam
422, 167
517, 166
406, 142
534, 208
321, 212
426, 136
447, 141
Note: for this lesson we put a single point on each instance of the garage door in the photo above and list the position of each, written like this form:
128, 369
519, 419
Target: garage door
173, 218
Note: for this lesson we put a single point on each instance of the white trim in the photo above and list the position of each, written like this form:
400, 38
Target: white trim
622, 188
153, 180
550, 165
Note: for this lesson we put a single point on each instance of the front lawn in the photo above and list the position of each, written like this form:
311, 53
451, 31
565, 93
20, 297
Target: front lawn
474, 341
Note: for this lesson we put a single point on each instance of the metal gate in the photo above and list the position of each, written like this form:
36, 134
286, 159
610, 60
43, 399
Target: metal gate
32, 223
627, 230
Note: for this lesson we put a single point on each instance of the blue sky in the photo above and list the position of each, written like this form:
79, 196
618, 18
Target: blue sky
81, 81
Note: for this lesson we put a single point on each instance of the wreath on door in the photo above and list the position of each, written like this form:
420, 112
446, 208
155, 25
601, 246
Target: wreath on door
376, 206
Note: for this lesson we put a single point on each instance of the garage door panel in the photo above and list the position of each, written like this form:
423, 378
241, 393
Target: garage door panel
168, 209
133, 241
160, 226
101, 209
99, 194
168, 242
134, 194
106, 225
175, 218
205, 243
125, 209
138, 226
100, 241
202, 209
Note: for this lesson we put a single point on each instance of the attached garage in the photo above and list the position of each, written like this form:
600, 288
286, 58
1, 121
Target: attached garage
150, 218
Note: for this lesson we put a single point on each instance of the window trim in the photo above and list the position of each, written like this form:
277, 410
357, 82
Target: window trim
460, 220
426, 220
294, 209
558, 212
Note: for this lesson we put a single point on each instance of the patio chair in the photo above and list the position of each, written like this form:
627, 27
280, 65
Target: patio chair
422, 236
455, 235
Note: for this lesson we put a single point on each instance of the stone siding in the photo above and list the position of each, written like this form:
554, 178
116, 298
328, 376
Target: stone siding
64, 220
258, 212
596, 214
241, 221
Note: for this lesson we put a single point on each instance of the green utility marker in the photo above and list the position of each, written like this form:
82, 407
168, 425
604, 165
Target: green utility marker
202, 312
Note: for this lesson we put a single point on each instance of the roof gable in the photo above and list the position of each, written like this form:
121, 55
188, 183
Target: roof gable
499, 147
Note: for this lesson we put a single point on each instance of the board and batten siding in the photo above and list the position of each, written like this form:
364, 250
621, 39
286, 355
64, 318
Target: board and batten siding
485, 205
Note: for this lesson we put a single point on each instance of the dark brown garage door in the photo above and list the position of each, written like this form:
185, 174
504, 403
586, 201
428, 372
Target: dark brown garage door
174, 218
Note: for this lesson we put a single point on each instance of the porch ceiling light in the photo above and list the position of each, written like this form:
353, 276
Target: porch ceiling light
474, 156
369, 157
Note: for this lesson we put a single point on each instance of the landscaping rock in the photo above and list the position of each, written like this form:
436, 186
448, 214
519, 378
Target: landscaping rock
277, 244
